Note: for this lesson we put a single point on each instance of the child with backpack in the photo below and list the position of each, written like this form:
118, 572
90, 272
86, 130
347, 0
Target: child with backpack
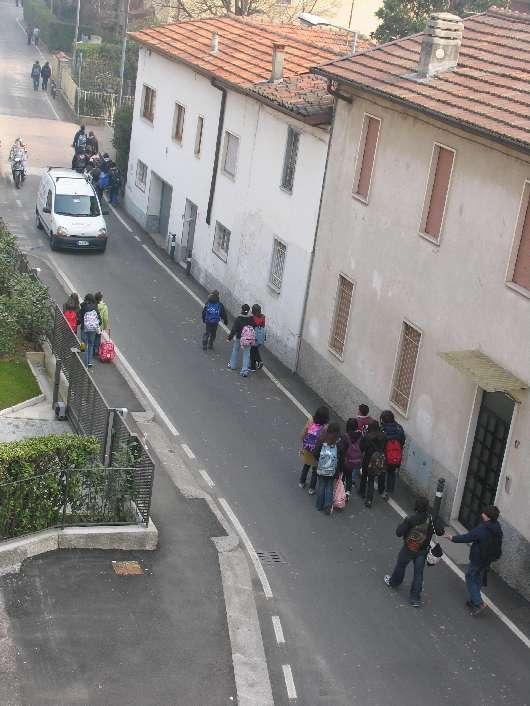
212, 313
372, 445
261, 336
71, 311
395, 441
310, 438
330, 462
243, 337
90, 321
354, 457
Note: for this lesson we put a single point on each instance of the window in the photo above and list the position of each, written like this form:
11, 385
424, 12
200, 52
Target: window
221, 241
198, 136
178, 122
141, 175
148, 103
366, 157
409, 346
521, 269
279, 251
437, 189
49, 201
289, 161
341, 315
230, 154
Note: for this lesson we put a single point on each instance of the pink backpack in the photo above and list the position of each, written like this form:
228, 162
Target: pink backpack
248, 337
339, 494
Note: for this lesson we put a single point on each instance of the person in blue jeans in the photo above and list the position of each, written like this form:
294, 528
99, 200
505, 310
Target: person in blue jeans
486, 546
330, 462
90, 323
416, 530
244, 319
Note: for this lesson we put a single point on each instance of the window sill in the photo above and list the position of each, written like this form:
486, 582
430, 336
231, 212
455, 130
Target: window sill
399, 410
148, 121
140, 187
176, 142
361, 199
334, 353
232, 177
518, 289
276, 290
430, 239
220, 255
285, 190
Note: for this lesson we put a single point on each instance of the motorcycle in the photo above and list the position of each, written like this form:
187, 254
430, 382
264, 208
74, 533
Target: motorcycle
18, 171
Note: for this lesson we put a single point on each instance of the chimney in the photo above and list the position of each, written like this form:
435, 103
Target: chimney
440, 44
214, 43
278, 54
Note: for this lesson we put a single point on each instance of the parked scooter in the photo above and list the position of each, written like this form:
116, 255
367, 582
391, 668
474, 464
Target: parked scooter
17, 169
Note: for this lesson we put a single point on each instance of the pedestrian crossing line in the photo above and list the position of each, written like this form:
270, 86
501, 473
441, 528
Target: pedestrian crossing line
206, 477
289, 681
189, 453
278, 630
248, 546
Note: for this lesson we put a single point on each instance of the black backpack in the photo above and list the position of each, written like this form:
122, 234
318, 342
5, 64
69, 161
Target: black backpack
491, 548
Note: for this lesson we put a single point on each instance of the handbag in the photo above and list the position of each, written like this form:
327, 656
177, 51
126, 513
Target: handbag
107, 350
339, 494
435, 552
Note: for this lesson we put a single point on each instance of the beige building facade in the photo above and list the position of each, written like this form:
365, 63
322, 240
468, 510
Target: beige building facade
420, 293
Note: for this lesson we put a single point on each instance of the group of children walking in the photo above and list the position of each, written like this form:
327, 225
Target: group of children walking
91, 318
366, 452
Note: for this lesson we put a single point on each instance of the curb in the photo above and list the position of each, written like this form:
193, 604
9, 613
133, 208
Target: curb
22, 405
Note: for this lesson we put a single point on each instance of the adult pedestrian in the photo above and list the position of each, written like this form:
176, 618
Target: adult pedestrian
417, 531
94, 173
29, 33
35, 75
103, 311
395, 441
363, 417
80, 138
36, 35
240, 326
330, 460
92, 144
354, 456
486, 547
114, 183
71, 311
372, 445
90, 323
45, 74
260, 332
213, 312
310, 439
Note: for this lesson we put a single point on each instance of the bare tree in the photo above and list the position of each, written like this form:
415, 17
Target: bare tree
175, 10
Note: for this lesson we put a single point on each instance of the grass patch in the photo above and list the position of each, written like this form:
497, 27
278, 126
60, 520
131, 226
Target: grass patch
16, 382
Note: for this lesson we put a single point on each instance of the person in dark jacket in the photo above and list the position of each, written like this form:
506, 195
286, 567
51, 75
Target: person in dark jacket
79, 142
45, 74
353, 458
487, 536
363, 417
393, 431
373, 441
114, 184
92, 144
88, 337
35, 75
259, 321
212, 313
244, 319
329, 452
417, 531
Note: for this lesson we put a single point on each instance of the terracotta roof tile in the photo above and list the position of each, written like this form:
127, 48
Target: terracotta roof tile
489, 90
306, 96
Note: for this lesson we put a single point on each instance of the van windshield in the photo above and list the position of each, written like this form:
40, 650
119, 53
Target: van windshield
74, 205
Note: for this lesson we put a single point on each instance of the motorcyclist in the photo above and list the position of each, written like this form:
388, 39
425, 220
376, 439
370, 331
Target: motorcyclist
18, 151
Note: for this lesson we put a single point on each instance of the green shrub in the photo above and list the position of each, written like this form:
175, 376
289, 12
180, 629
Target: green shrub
121, 139
8, 259
32, 307
8, 327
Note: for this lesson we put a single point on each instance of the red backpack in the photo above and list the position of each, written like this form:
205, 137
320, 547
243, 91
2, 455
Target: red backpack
393, 452
71, 317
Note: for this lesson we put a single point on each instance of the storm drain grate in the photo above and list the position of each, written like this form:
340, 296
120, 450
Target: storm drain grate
271, 558
127, 568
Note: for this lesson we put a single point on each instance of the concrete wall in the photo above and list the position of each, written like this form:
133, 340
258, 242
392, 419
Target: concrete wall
252, 205
455, 292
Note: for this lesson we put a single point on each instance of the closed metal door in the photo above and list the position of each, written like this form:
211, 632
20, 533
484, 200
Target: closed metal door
188, 228
487, 455
165, 208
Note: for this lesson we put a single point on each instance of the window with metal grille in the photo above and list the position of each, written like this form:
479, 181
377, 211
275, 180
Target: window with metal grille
221, 241
178, 122
279, 252
198, 136
521, 270
148, 103
341, 316
289, 160
141, 175
437, 190
405, 367
366, 158
230, 154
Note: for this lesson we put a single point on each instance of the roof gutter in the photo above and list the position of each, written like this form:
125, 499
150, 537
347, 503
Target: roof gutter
220, 126
475, 129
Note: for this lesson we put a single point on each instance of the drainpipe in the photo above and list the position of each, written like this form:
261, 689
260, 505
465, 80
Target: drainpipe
312, 260
220, 126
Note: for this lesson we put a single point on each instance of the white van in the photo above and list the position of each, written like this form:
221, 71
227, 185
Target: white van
69, 211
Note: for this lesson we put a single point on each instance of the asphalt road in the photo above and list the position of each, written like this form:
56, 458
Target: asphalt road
349, 639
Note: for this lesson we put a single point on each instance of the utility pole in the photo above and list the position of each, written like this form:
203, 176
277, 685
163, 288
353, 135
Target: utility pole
123, 49
438, 498
76, 32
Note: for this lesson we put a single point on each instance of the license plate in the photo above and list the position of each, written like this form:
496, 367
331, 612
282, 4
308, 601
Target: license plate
82, 242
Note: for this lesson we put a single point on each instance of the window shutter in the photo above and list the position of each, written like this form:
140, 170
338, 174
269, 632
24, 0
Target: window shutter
367, 164
342, 314
521, 273
440, 187
406, 366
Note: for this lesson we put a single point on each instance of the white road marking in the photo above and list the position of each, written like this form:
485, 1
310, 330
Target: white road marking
137, 238
173, 276
189, 453
289, 681
206, 477
124, 224
43, 57
250, 549
18, 202
278, 631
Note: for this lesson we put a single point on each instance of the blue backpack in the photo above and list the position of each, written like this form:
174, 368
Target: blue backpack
328, 459
261, 335
104, 180
212, 315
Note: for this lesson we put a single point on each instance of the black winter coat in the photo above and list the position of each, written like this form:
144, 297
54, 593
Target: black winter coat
371, 442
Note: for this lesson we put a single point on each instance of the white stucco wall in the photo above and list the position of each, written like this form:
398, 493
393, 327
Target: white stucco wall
252, 206
455, 292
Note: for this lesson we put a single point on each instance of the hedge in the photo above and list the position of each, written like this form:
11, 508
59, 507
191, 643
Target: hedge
57, 34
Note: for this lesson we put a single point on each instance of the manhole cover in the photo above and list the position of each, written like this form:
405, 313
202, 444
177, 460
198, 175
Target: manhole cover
271, 558
127, 568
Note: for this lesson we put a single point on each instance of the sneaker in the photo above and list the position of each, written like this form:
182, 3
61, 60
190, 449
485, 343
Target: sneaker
479, 609
415, 603
244, 375
368, 503
469, 604
387, 580
259, 365
301, 485
311, 491
384, 496
90, 365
